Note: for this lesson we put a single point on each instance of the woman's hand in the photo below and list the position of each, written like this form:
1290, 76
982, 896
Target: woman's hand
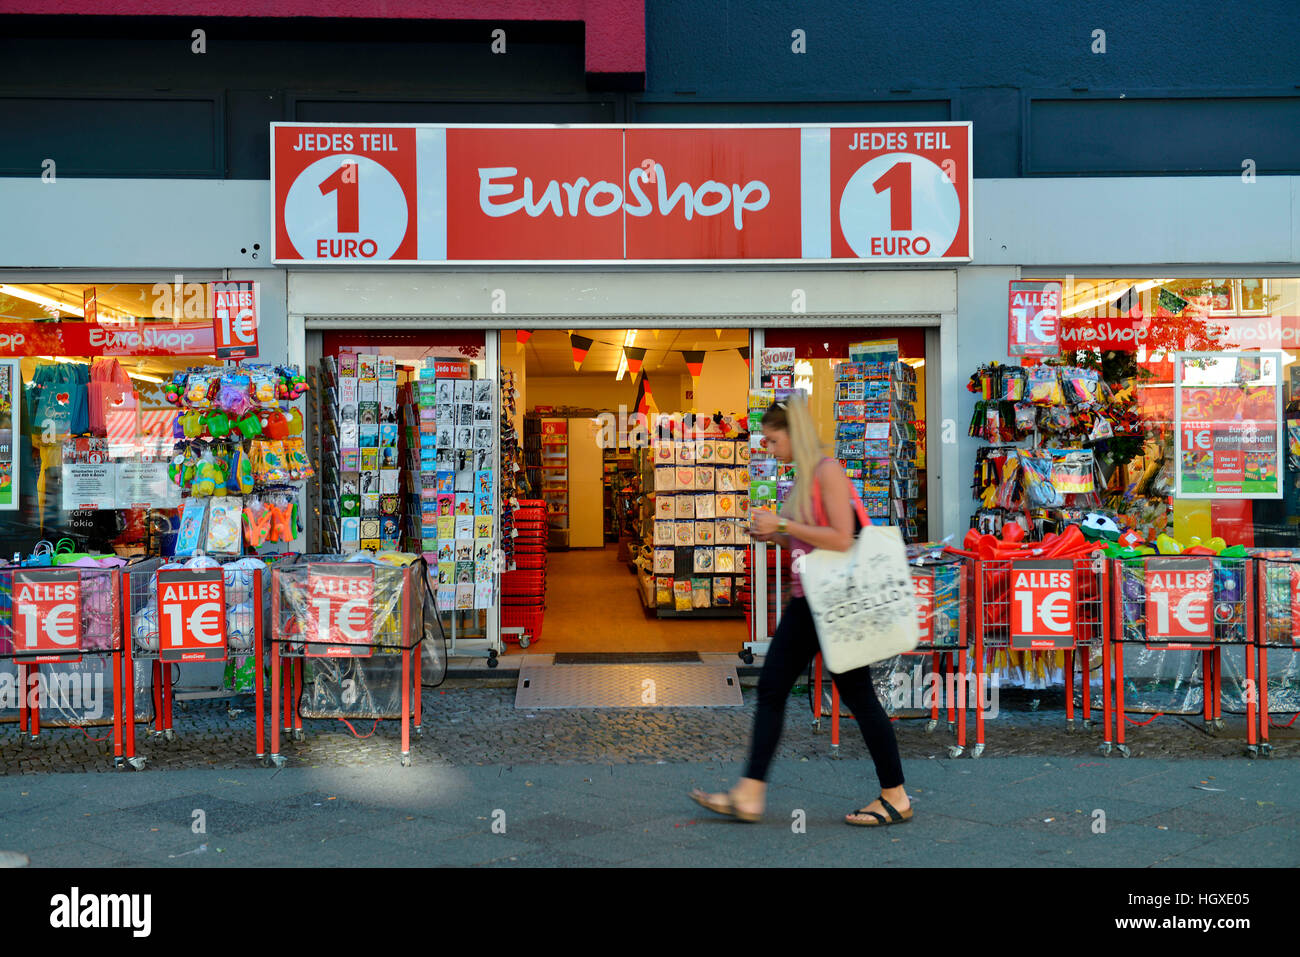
763, 521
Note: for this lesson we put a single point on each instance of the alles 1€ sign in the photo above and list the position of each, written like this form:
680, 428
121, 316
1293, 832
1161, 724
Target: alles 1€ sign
437, 194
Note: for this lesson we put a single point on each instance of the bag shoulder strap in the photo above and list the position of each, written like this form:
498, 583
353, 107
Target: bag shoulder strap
819, 511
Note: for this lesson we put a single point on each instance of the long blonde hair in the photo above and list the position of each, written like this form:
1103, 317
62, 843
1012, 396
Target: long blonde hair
793, 416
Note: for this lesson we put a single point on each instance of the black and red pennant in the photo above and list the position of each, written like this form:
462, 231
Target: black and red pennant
581, 346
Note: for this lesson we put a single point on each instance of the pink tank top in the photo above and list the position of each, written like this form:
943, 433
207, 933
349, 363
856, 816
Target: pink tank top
799, 547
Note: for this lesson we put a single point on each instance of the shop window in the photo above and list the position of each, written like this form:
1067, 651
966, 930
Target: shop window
1172, 408
119, 425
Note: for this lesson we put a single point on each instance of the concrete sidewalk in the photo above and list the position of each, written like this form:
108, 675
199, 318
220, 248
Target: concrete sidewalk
1015, 811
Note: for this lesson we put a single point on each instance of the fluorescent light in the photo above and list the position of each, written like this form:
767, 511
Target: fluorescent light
20, 293
1110, 297
147, 378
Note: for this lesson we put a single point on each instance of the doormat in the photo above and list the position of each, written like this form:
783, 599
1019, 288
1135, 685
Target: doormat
649, 685
626, 657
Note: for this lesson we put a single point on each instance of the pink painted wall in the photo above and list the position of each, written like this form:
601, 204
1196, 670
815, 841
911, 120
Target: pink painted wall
615, 28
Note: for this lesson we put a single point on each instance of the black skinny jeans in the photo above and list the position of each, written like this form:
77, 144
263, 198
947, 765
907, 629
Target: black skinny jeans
792, 649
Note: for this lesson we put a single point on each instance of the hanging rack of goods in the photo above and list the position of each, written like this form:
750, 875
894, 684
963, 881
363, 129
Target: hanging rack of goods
239, 457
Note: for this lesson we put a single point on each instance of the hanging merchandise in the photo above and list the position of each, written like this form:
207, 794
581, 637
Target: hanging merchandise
238, 440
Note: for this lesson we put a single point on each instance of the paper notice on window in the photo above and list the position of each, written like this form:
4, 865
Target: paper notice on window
89, 486
146, 485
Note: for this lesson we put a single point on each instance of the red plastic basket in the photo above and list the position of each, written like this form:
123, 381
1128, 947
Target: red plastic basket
519, 616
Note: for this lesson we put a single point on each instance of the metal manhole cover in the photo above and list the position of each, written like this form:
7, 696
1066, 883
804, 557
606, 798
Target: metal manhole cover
628, 686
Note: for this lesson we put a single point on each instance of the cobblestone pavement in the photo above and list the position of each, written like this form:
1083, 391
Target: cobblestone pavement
480, 726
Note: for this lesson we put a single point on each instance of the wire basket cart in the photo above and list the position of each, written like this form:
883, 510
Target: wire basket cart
1042, 605
176, 614
1182, 603
1277, 631
60, 628
356, 623
942, 600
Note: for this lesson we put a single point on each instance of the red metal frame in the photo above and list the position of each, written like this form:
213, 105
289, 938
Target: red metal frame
1211, 662
163, 698
1082, 638
29, 676
288, 679
1262, 646
954, 698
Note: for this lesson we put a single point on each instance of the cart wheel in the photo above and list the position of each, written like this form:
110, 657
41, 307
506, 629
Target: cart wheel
1266, 750
279, 760
492, 661
976, 751
1106, 747
1087, 723
835, 752
299, 734
1123, 749
955, 750
817, 726
1220, 724
931, 725
169, 734
1069, 726
1252, 750
419, 732
137, 763
406, 760
952, 726
524, 641
747, 656
35, 741
119, 764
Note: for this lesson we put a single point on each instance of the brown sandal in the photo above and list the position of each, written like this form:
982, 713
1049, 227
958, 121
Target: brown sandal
880, 819
728, 809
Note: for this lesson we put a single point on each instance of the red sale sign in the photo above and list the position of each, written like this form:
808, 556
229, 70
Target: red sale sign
1042, 604
1180, 602
234, 319
923, 586
47, 615
438, 194
192, 615
1033, 318
340, 620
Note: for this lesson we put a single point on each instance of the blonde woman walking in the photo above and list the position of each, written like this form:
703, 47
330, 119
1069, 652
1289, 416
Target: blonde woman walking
820, 512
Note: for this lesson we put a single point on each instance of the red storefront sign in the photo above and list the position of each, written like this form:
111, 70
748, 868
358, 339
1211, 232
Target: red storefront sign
192, 615
47, 615
1180, 600
105, 339
887, 192
1033, 318
1042, 604
234, 319
451, 369
340, 614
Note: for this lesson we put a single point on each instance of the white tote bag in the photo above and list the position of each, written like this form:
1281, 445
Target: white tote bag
862, 600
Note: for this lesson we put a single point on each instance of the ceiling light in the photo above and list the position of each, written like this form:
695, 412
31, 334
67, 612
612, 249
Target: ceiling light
19, 293
1110, 297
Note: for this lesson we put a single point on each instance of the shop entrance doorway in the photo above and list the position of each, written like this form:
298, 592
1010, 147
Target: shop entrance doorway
631, 437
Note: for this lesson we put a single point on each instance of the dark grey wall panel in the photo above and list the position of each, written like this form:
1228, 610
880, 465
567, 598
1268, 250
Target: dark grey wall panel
691, 110
111, 136
1141, 135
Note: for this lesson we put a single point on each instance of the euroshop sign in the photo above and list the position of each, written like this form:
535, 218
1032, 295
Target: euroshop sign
427, 195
